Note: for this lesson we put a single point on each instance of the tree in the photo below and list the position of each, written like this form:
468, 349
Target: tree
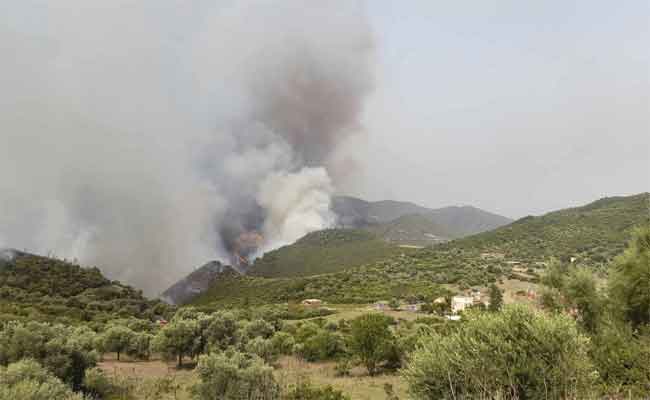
234, 376
117, 339
629, 284
582, 293
516, 353
222, 331
622, 359
140, 345
64, 351
28, 380
555, 275
371, 339
496, 298
393, 304
177, 339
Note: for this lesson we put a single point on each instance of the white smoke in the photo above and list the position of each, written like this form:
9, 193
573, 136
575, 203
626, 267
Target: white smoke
143, 137
297, 203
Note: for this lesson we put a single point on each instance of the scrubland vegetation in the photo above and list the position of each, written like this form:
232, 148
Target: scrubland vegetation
585, 335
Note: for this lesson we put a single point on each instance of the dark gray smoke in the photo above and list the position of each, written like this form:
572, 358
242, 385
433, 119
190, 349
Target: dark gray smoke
151, 148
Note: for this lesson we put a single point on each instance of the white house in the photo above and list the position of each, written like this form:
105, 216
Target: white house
459, 303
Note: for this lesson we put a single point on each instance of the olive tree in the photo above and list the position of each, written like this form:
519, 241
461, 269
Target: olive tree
177, 339
28, 380
117, 339
371, 340
234, 376
513, 354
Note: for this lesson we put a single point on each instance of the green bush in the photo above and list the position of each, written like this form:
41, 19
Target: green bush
306, 391
64, 351
234, 376
513, 354
28, 380
372, 341
97, 383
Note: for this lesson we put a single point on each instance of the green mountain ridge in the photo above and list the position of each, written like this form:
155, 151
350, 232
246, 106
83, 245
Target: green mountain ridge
34, 287
322, 252
593, 235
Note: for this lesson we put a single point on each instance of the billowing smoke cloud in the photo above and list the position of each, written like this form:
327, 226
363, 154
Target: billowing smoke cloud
147, 137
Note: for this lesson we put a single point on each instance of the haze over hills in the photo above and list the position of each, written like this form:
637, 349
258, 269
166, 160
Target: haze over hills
371, 232
409, 223
593, 234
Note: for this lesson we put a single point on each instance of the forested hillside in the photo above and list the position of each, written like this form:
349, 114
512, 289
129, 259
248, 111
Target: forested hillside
592, 234
324, 251
41, 288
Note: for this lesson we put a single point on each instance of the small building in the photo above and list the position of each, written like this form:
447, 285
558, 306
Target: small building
440, 300
412, 307
381, 306
460, 303
312, 303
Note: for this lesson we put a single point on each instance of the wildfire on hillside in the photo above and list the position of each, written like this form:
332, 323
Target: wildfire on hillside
245, 247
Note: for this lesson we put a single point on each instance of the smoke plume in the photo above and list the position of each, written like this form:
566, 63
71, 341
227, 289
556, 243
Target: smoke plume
148, 137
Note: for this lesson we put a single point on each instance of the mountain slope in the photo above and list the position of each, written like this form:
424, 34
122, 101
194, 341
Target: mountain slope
41, 288
196, 282
409, 223
592, 234
324, 251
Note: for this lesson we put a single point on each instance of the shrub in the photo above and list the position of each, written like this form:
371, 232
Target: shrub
262, 348
234, 376
28, 380
62, 350
322, 345
371, 340
630, 281
343, 367
282, 343
623, 360
516, 353
97, 383
305, 391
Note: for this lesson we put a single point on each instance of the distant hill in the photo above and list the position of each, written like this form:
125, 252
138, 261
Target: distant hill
196, 282
324, 251
592, 235
408, 223
358, 213
41, 288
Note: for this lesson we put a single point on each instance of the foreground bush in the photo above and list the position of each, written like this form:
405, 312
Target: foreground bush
28, 380
306, 391
64, 351
514, 354
234, 376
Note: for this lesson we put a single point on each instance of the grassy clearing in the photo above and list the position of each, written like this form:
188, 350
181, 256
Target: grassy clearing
289, 371
359, 386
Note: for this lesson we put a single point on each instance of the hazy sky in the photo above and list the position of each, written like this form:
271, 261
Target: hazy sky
518, 107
